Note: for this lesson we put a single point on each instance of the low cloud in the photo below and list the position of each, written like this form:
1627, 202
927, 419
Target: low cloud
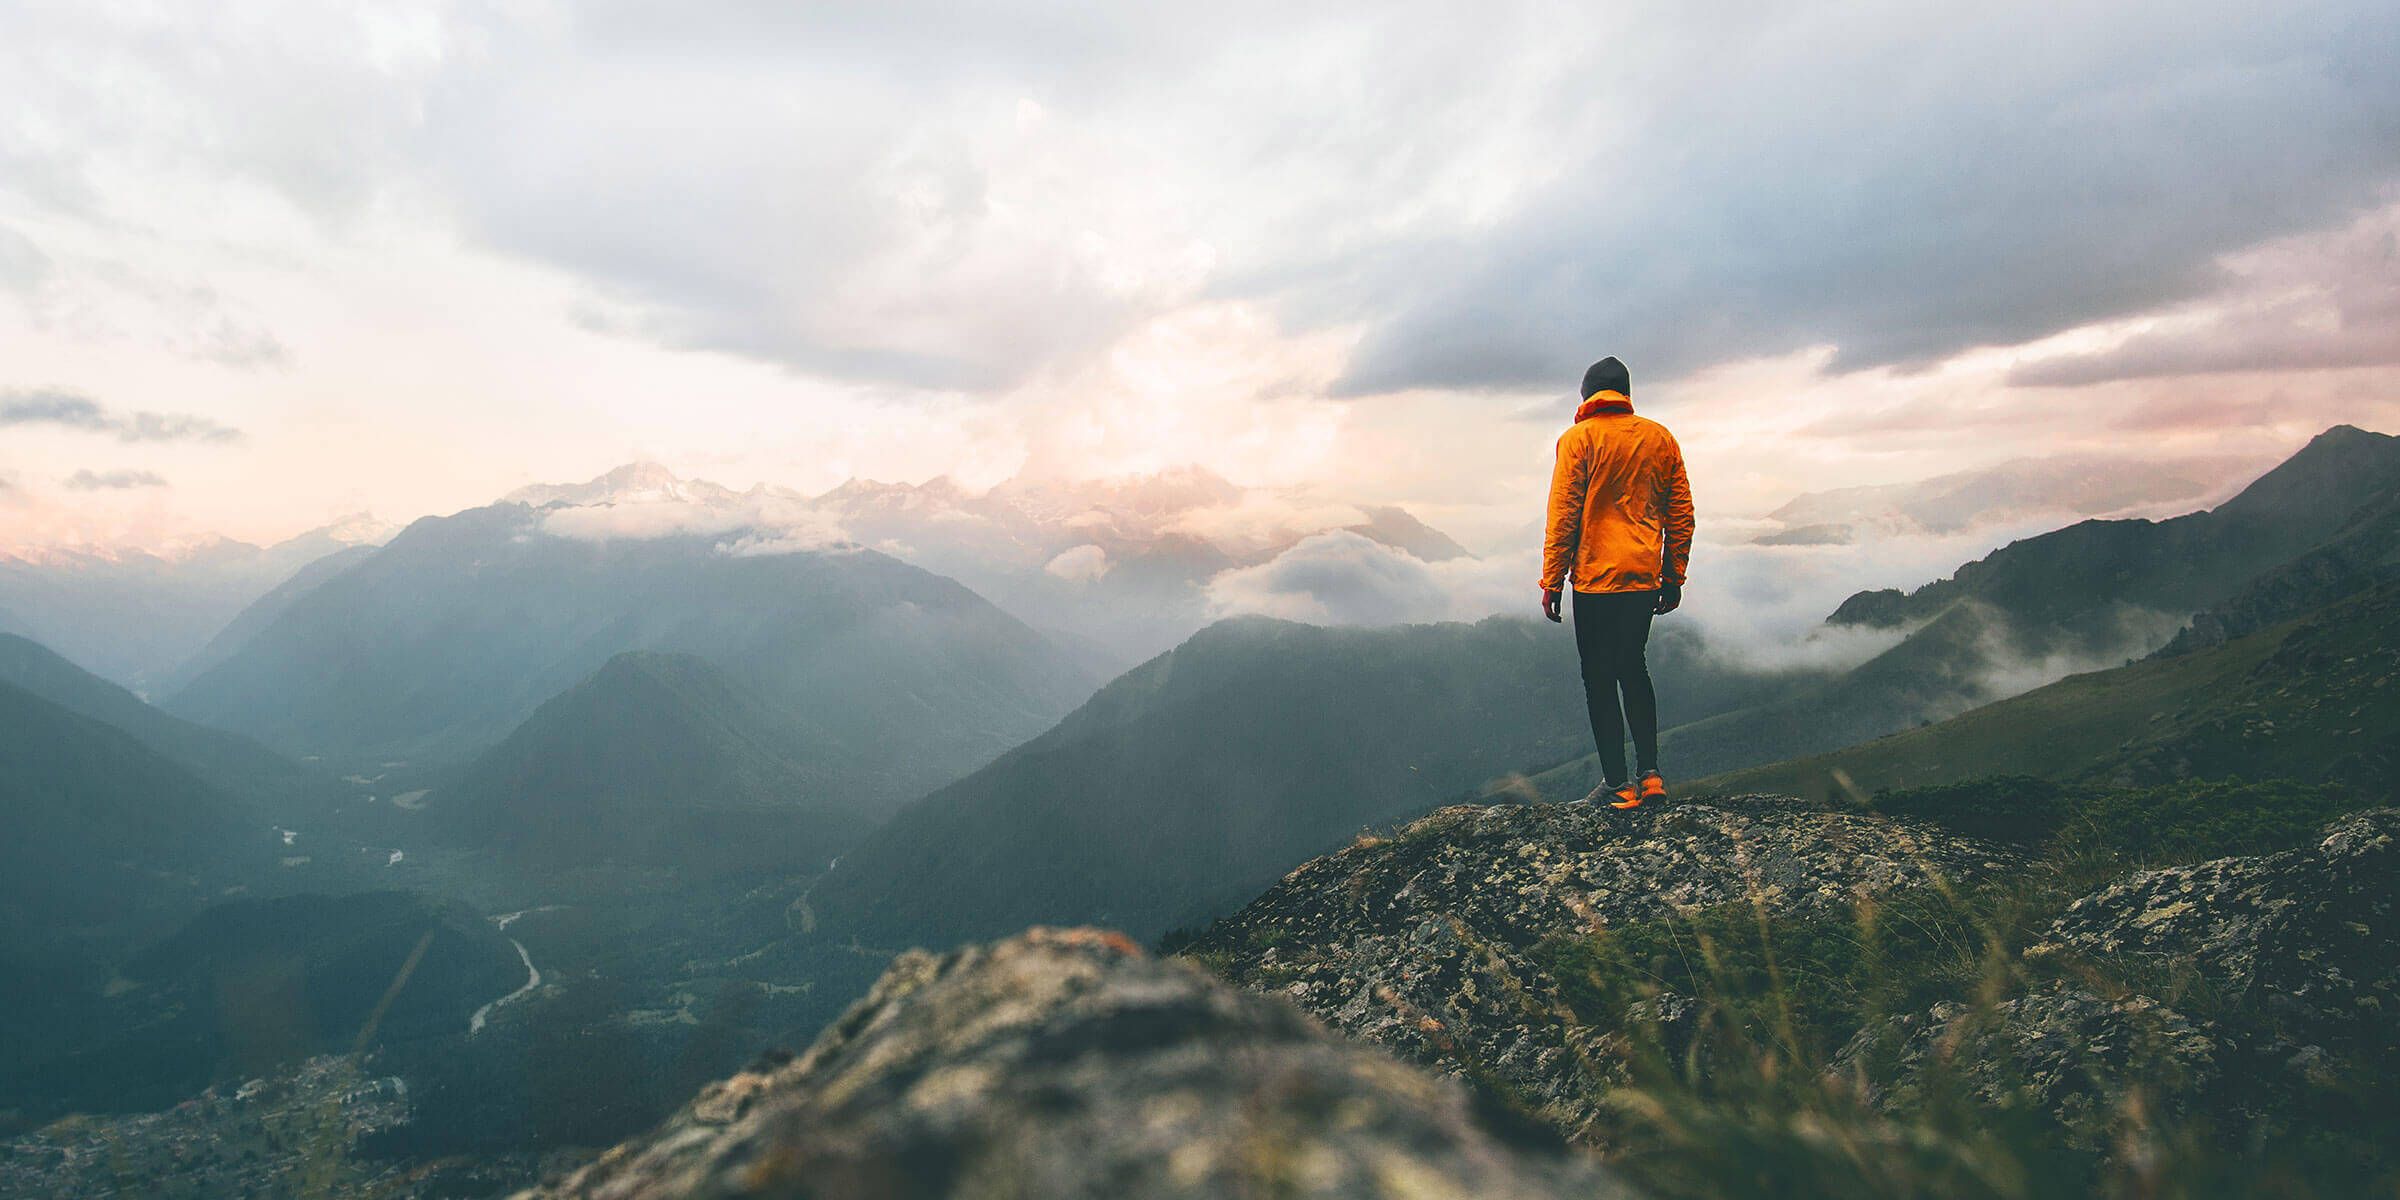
73, 410
1334, 579
1342, 578
113, 481
751, 525
2138, 631
1263, 519
766, 543
1080, 564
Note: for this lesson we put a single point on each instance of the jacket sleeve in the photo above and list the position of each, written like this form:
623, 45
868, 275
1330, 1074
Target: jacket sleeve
1569, 479
1676, 505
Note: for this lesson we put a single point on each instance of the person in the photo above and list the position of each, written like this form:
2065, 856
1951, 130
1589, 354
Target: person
1619, 533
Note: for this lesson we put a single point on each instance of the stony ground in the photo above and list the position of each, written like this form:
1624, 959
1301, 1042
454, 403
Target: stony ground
1426, 942
2247, 984
2307, 934
1068, 1064
2275, 980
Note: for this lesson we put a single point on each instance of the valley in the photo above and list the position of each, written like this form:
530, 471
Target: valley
494, 844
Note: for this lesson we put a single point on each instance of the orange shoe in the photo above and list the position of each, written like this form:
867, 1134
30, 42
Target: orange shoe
1628, 796
1653, 787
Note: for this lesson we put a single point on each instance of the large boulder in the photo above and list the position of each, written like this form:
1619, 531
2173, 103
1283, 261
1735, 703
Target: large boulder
1429, 942
1067, 1064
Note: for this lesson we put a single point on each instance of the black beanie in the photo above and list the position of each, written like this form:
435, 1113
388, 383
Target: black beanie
1607, 375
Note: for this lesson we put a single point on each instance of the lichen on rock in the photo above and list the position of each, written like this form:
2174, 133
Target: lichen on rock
1427, 942
2304, 936
2072, 1056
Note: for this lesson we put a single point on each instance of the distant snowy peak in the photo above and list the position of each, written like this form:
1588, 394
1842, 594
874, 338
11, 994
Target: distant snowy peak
1178, 514
357, 529
1142, 499
633, 483
344, 533
869, 495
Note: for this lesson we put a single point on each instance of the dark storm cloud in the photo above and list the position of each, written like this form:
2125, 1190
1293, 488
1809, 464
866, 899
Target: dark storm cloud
2306, 304
98, 481
1907, 188
1901, 182
72, 410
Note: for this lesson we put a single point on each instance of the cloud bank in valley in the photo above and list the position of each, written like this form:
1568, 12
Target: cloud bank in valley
1341, 578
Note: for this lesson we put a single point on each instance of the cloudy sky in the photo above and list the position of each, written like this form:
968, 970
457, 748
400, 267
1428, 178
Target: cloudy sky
262, 265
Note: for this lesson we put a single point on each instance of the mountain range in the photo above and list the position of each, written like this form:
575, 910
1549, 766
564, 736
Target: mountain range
136, 617
731, 751
1116, 567
434, 647
2068, 585
2311, 699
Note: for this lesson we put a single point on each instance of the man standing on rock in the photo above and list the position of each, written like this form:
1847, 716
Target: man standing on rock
1620, 532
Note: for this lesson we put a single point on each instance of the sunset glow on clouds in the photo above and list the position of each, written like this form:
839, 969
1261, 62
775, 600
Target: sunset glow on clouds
410, 257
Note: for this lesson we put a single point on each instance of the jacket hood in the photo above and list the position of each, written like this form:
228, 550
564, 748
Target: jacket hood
1603, 402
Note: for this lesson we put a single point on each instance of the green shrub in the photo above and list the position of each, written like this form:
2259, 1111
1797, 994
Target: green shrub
2183, 821
2009, 809
2194, 820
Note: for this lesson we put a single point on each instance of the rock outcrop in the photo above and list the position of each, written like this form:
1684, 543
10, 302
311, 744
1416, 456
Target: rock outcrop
1066, 1064
2305, 938
2065, 1052
2292, 953
1426, 942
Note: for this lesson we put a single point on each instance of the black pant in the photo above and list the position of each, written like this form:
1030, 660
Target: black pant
1611, 631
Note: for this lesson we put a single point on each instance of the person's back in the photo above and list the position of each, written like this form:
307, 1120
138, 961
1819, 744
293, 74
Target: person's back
1620, 532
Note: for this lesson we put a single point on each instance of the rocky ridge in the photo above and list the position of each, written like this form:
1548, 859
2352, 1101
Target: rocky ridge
1428, 942
1065, 1063
2239, 988
2305, 937
2276, 976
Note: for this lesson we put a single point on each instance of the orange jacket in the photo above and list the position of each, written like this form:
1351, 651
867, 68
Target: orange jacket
1620, 508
